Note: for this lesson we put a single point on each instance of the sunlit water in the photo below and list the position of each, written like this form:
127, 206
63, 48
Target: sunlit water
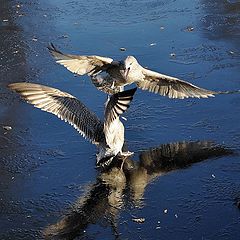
46, 167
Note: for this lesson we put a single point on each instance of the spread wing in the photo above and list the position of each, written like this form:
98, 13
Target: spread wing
64, 106
171, 87
81, 65
171, 156
118, 104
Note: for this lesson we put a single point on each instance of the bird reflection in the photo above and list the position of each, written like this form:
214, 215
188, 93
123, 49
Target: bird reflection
105, 199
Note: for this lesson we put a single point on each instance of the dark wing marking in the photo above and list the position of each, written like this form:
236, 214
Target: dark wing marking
118, 104
64, 106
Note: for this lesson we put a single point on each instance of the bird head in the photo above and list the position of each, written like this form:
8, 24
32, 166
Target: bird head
130, 63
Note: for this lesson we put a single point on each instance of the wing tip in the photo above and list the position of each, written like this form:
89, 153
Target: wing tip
15, 86
18, 86
52, 49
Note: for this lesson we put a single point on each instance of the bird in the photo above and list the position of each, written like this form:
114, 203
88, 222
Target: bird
112, 76
107, 135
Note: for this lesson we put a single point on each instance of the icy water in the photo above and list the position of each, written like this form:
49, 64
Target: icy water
183, 181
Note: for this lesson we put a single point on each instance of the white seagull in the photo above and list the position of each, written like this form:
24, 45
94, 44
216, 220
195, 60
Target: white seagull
108, 135
121, 73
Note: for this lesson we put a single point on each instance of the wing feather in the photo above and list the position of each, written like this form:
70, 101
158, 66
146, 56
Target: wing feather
81, 65
171, 87
118, 104
171, 156
64, 106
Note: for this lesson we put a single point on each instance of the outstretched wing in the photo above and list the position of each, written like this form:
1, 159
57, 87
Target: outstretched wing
81, 65
118, 104
171, 156
171, 87
64, 106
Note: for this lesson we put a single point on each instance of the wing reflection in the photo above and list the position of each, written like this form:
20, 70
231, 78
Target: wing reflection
105, 199
100, 205
169, 157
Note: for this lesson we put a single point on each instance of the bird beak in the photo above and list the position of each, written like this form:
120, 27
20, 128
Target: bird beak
127, 72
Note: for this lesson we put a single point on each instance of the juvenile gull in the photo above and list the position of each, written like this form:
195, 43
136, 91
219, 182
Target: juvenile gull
108, 135
121, 73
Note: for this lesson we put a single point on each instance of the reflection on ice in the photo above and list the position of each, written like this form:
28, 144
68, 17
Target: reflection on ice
105, 199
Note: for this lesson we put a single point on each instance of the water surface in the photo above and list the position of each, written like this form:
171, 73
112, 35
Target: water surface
48, 170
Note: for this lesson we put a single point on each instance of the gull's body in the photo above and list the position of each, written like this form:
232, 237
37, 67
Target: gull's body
108, 135
121, 73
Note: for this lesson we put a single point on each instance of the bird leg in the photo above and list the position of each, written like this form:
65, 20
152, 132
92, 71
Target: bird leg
108, 98
123, 161
125, 156
113, 85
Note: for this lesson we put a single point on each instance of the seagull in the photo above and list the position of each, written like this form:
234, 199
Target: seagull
107, 135
121, 73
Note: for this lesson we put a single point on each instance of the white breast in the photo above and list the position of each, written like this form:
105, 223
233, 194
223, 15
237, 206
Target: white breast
114, 135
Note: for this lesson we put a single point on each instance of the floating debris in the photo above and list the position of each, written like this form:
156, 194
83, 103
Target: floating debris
189, 29
138, 220
232, 53
158, 223
64, 36
123, 49
7, 128
165, 211
152, 44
